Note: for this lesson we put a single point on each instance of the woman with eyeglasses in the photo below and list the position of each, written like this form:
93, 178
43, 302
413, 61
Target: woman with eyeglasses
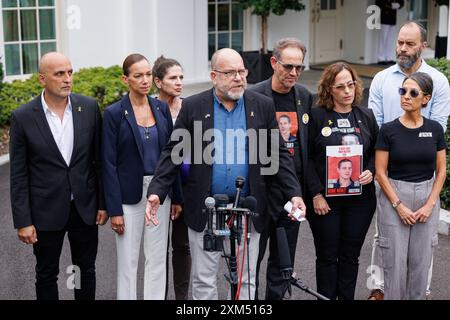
135, 130
168, 78
340, 224
411, 168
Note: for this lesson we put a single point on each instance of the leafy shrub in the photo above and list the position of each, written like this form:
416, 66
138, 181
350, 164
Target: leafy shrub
443, 65
103, 84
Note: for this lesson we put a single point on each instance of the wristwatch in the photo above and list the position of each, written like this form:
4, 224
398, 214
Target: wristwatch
396, 203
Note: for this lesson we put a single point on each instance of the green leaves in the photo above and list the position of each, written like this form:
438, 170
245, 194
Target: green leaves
278, 7
443, 65
103, 84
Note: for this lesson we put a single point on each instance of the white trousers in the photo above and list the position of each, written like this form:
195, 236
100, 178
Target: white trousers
205, 266
155, 250
387, 43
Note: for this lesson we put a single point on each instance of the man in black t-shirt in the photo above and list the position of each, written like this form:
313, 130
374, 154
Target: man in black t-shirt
292, 101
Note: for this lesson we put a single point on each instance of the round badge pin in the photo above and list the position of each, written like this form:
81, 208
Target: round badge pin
305, 118
326, 132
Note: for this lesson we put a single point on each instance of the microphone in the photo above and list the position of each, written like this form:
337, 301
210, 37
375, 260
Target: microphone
208, 239
221, 203
210, 203
240, 182
284, 254
250, 203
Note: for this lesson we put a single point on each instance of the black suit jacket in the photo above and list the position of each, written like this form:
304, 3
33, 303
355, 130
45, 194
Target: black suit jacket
320, 118
260, 114
41, 181
304, 101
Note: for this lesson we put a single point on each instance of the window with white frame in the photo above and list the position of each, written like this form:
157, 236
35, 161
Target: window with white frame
29, 31
225, 25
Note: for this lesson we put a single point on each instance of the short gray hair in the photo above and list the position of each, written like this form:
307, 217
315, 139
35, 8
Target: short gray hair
284, 43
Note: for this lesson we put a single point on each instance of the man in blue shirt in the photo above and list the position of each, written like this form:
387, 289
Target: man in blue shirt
237, 120
384, 100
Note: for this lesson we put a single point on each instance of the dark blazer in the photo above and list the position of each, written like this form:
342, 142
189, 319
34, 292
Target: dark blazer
320, 118
200, 108
304, 100
41, 181
123, 169
304, 103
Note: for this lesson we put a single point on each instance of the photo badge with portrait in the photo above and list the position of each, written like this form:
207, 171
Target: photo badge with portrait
288, 125
344, 166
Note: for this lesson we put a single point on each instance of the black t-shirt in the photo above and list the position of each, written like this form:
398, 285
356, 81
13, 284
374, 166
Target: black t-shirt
287, 118
344, 130
412, 152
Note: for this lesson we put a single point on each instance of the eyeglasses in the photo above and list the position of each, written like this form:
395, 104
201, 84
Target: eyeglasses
342, 86
413, 93
233, 73
288, 67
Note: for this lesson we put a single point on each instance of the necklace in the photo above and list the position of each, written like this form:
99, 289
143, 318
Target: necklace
343, 122
147, 133
147, 128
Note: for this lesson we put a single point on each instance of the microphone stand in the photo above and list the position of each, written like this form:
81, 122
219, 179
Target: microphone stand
234, 236
299, 284
233, 262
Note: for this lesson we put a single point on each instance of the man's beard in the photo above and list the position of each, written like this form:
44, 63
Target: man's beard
406, 62
232, 96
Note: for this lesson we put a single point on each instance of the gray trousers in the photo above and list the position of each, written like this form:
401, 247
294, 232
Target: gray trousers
376, 279
205, 266
406, 250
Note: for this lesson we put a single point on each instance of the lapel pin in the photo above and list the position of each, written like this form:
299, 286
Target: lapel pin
126, 112
305, 118
79, 109
207, 116
330, 122
299, 102
252, 114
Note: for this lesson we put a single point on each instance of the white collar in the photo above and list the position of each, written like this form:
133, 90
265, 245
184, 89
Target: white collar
47, 109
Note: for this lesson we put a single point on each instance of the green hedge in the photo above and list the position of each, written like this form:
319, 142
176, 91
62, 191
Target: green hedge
104, 84
443, 65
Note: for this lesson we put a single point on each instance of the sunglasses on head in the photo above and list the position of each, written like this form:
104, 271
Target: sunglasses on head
414, 93
288, 67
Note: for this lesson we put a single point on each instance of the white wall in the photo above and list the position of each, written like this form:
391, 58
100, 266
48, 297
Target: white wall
292, 24
354, 30
102, 37
112, 29
183, 34
371, 36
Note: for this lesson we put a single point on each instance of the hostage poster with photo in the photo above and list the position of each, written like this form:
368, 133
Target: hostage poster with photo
344, 166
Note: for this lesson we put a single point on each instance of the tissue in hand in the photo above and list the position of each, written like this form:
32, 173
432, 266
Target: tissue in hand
298, 213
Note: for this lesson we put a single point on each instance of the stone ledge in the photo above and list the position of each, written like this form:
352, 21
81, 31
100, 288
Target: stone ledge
444, 222
4, 159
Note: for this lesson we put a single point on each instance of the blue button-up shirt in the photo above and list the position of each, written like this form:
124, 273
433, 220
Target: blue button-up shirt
384, 99
230, 149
